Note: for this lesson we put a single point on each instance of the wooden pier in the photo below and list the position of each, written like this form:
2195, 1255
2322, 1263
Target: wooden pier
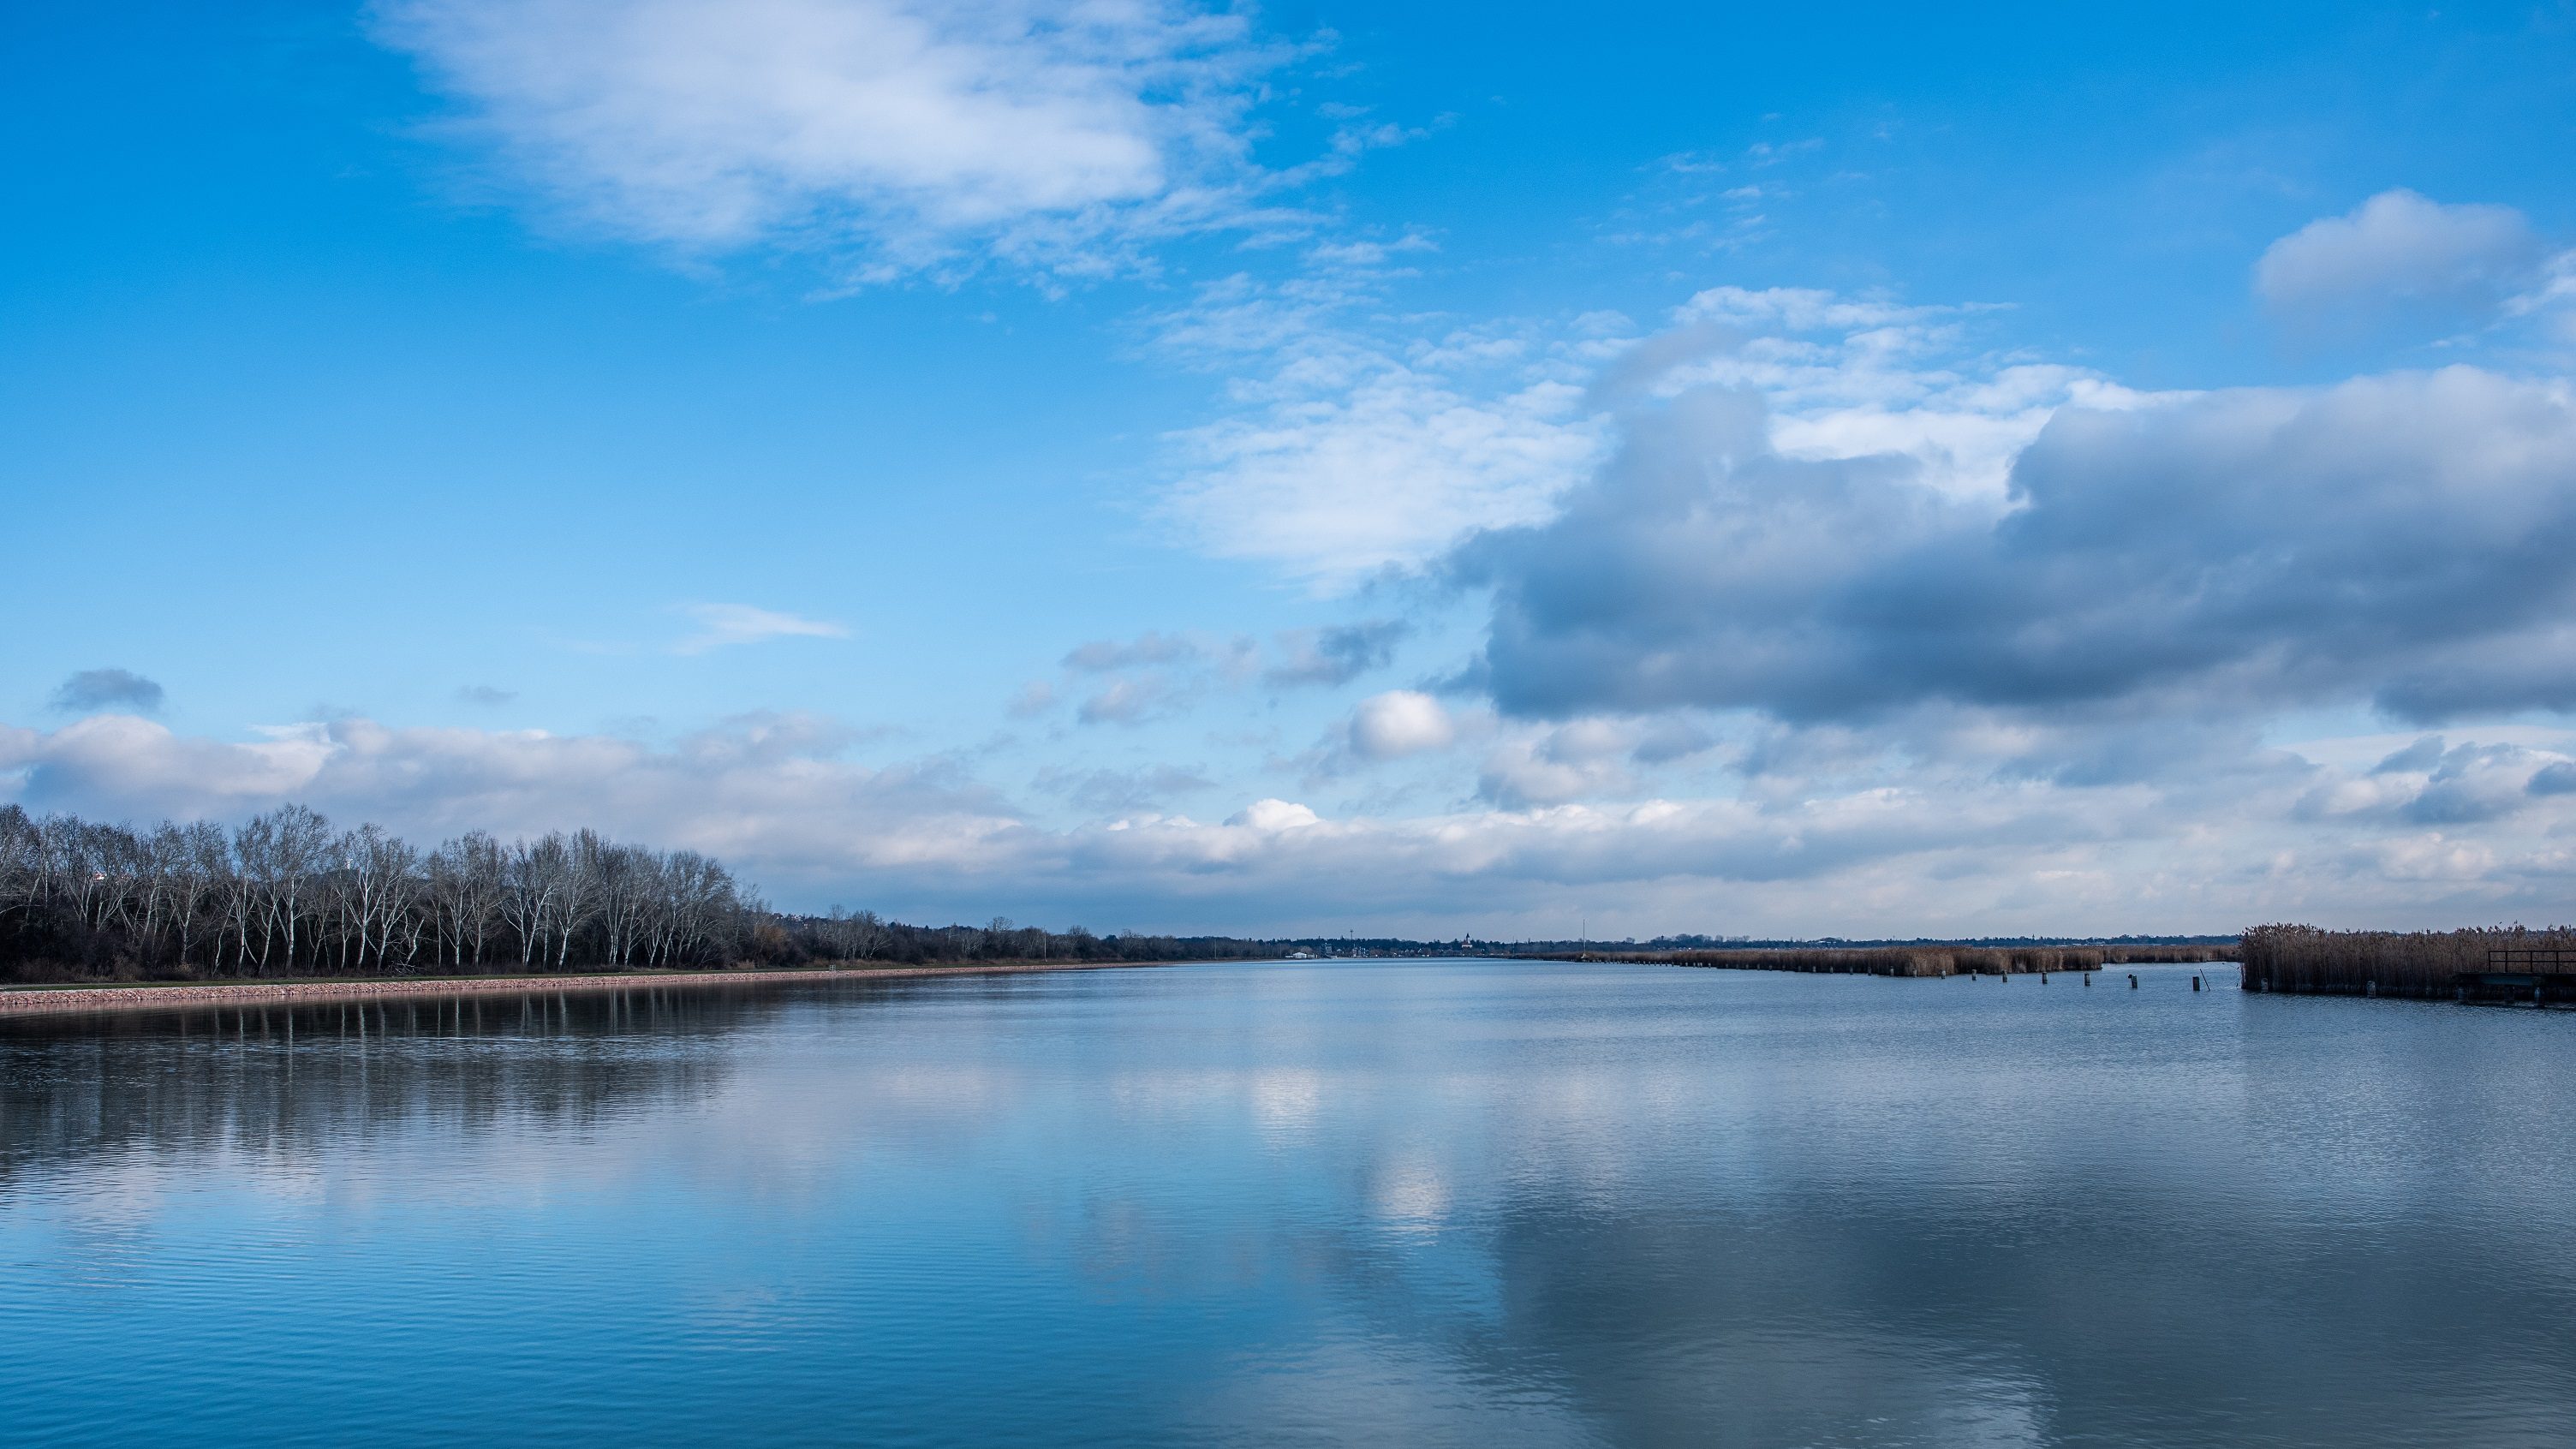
2537, 975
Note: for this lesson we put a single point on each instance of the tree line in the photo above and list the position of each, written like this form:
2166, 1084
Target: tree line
863, 937
287, 894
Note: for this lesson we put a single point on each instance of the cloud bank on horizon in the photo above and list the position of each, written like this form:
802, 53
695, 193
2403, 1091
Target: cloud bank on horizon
1407, 584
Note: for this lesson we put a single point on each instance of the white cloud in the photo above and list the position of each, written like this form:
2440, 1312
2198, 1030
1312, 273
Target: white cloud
759, 788
1357, 444
1355, 449
1400, 722
1274, 815
720, 625
2401, 251
897, 133
2241, 552
1852, 378
1387, 473
1949, 849
1518, 777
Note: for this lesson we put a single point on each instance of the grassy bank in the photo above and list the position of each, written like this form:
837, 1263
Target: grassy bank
27, 1000
2423, 965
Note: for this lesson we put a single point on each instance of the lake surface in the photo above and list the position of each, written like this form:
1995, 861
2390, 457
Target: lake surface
1408, 1203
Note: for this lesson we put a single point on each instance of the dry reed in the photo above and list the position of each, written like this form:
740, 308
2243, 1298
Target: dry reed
2423, 964
1878, 960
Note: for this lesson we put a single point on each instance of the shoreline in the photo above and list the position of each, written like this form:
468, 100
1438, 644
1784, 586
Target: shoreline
37, 1000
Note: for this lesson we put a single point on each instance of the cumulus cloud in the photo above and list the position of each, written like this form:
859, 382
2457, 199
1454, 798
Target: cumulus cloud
1843, 377
1353, 452
97, 689
763, 787
2403, 540
2558, 778
1574, 761
779, 797
897, 134
2402, 253
723, 625
1670, 738
1398, 723
2434, 783
1637, 370
1271, 816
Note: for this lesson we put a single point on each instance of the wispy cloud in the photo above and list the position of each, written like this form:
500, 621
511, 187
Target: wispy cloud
895, 135
721, 625
1108, 792
1129, 681
1353, 446
1102, 656
1359, 444
1338, 654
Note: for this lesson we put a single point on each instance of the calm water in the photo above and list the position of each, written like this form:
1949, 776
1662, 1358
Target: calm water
1434, 1203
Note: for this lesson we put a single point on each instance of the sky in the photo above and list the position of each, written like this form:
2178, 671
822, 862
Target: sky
1406, 468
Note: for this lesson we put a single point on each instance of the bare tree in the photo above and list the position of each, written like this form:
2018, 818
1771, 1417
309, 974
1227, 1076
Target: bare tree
466, 882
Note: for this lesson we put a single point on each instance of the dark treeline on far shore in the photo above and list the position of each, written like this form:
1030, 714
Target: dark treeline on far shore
1756, 943
287, 894
863, 938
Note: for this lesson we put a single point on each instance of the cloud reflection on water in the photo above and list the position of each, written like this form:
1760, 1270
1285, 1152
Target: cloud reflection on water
1268, 1204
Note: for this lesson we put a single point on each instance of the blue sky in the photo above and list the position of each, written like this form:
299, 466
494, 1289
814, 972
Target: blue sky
1767, 470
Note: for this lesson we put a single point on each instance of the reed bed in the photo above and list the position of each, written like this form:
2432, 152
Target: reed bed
2419, 964
1878, 960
